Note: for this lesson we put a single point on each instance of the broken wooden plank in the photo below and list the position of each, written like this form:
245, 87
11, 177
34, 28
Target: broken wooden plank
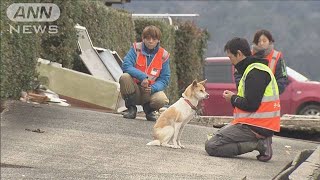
291, 122
77, 85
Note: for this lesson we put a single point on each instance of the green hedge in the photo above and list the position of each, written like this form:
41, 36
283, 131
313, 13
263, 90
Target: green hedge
191, 43
19, 52
167, 42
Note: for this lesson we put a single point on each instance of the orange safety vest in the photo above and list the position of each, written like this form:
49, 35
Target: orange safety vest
154, 68
273, 58
268, 114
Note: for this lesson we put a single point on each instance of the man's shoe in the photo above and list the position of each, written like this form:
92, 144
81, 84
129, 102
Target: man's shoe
265, 149
151, 117
149, 111
132, 113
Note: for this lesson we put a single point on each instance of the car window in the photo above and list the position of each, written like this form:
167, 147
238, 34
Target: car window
218, 72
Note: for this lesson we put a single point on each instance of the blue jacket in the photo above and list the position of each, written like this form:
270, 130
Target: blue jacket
129, 63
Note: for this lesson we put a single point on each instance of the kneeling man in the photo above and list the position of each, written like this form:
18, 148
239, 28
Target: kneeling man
256, 107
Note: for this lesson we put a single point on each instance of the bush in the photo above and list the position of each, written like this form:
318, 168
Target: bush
191, 43
19, 52
18, 55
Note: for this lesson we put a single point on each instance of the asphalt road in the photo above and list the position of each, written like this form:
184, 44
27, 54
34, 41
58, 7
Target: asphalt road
84, 144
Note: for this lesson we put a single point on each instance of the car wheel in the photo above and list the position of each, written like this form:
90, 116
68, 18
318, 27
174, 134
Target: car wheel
310, 110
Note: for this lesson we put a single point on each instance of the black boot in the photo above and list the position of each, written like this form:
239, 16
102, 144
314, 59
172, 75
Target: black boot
150, 116
263, 146
265, 149
245, 147
132, 113
131, 105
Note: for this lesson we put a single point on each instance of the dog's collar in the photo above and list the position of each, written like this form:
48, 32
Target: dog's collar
191, 105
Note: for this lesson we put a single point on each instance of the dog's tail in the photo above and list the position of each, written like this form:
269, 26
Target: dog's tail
154, 143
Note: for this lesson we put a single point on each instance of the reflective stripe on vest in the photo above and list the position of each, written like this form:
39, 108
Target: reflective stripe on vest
273, 58
260, 115
154, 68
268, 114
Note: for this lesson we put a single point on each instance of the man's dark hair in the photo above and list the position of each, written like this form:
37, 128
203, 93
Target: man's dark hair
261, 32
236, 44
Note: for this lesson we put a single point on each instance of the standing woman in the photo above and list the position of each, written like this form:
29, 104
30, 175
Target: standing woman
263, 47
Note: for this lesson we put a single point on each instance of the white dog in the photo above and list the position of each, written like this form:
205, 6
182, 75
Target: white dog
171, 122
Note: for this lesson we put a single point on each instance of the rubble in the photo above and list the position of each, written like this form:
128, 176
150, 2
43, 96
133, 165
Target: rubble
42, 95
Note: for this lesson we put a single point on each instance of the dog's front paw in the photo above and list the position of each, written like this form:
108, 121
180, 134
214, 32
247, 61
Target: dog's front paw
176, 147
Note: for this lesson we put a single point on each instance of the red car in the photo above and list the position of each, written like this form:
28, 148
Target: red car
301, 96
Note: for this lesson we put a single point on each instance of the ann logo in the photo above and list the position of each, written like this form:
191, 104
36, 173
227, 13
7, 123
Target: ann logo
33, 12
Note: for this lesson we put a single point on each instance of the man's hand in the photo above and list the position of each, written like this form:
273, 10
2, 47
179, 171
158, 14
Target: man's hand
145, 83
227, 95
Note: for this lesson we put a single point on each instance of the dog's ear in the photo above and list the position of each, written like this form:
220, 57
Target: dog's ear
194, 83
203, 82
